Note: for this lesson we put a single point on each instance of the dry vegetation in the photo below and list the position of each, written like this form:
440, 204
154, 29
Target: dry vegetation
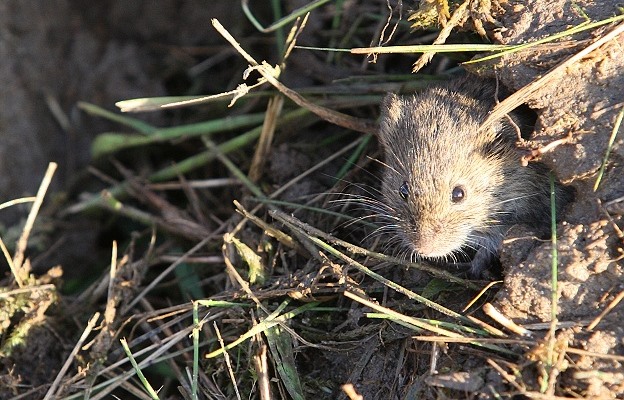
241, 267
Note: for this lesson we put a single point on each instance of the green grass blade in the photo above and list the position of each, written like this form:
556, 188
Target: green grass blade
426, 48
111, 142
568, 32
150, 391
187, 165
553, 240
133, 123
281, 345
287, 19
267, 323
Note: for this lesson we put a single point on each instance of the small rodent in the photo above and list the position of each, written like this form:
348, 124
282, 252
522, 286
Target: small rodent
449, 190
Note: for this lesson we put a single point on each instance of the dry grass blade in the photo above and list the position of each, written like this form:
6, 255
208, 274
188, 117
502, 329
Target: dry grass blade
270, 74
334, 117
70, 359
610, 307
228, 361
7, 255
614, 132
425, 48
17, 201
273, 319
496, 315
401, 317
459, 16
18, 259
431, 326
274, 108
257, 270
111, 300
164, 103
508, 377
262, 370
270, 230
236, 277
480, 294
158, 349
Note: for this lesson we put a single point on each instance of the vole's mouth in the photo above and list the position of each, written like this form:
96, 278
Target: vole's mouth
434, 253
436, 240
433, 247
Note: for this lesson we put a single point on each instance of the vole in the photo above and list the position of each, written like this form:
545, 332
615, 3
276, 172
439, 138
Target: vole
451, 190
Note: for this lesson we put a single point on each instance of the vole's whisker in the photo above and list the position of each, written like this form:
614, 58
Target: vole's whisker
380, 231
389, 167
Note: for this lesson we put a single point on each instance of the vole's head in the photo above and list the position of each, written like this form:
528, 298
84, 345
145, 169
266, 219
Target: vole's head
443, 178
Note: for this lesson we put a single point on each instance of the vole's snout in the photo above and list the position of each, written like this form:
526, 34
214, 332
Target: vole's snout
428, 241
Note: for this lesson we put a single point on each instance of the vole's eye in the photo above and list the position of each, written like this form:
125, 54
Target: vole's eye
404, 191
458, 194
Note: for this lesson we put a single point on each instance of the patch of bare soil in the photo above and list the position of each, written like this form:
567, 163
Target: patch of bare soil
579, 106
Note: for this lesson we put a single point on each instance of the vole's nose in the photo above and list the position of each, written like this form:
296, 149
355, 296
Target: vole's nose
428, 240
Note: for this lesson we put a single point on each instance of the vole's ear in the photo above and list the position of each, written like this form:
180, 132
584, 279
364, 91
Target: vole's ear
391, 112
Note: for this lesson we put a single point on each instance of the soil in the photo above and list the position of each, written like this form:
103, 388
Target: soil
68, 51
582, 105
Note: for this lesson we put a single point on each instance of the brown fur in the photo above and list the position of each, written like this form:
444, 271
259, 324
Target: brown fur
432, 144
